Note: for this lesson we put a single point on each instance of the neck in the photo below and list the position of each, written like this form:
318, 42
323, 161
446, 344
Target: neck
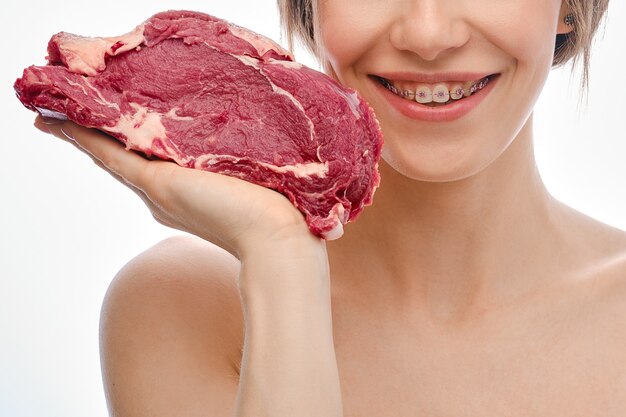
452, 246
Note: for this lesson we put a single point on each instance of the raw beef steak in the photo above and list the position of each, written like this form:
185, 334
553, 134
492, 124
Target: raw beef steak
208, 94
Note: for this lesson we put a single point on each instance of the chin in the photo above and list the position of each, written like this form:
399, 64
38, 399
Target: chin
430, 165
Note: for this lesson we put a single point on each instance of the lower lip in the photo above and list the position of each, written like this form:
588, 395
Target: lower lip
452, 111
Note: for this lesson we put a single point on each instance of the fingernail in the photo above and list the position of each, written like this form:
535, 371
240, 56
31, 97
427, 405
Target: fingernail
51, 120
67, 133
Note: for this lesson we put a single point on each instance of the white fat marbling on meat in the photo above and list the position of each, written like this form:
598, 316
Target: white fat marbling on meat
248, 60
334, 233
131, 40
298, 105
82, 87
340, 212
85, 55
260, 43
286, 64
253, 63
319, 169
299, 170
341, 215
37, 77
100, 99
351, 97
142, 128
314, 196
212, 159
172, 114
353, 101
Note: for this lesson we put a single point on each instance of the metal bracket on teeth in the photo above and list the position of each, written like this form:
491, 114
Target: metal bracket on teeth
407, 93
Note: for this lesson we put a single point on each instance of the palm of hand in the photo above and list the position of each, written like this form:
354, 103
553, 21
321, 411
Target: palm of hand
229, 212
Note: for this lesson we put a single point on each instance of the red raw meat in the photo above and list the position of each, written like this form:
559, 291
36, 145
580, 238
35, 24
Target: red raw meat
208, 94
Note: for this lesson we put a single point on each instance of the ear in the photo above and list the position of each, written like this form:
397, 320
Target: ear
562, 28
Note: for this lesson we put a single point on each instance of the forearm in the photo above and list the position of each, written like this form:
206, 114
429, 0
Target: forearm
289, 368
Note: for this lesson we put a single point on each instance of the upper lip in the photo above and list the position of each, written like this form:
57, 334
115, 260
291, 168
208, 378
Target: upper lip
433, 78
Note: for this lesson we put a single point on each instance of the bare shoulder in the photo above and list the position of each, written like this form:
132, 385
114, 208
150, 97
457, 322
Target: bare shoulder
599, 246
171, 328
600, 316
585, 313
601, 249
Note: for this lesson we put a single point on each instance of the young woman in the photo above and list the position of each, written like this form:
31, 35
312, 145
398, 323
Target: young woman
466, 289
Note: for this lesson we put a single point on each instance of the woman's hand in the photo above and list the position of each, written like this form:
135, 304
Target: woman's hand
232, 213
284, 279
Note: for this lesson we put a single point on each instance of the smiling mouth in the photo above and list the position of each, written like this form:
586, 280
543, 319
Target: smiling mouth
436, 95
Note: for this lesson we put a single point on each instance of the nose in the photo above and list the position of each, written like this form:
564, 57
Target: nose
429, 28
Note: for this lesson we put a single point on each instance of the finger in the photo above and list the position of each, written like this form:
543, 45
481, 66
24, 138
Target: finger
60, 129
157, 213
108, 150
46, 125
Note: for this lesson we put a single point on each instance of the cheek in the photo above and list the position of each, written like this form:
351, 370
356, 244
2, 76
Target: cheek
527, 40
524, 30
348, 31
515, 35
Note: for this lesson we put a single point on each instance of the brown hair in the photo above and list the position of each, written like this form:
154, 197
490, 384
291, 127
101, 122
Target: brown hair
299, 23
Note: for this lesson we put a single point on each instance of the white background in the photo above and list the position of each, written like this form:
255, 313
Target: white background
66, 227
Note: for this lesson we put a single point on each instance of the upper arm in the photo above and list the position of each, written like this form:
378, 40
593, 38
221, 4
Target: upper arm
169, 322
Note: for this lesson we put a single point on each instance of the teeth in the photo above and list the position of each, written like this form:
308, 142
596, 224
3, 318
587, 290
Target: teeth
467, 88
441, 93
423, 94
456, 91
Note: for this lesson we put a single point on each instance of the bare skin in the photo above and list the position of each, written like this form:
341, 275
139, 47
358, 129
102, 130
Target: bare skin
452, 309
465, 290
555, 350
546, 337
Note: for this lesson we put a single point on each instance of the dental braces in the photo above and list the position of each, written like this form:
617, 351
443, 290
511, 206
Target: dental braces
408, 93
